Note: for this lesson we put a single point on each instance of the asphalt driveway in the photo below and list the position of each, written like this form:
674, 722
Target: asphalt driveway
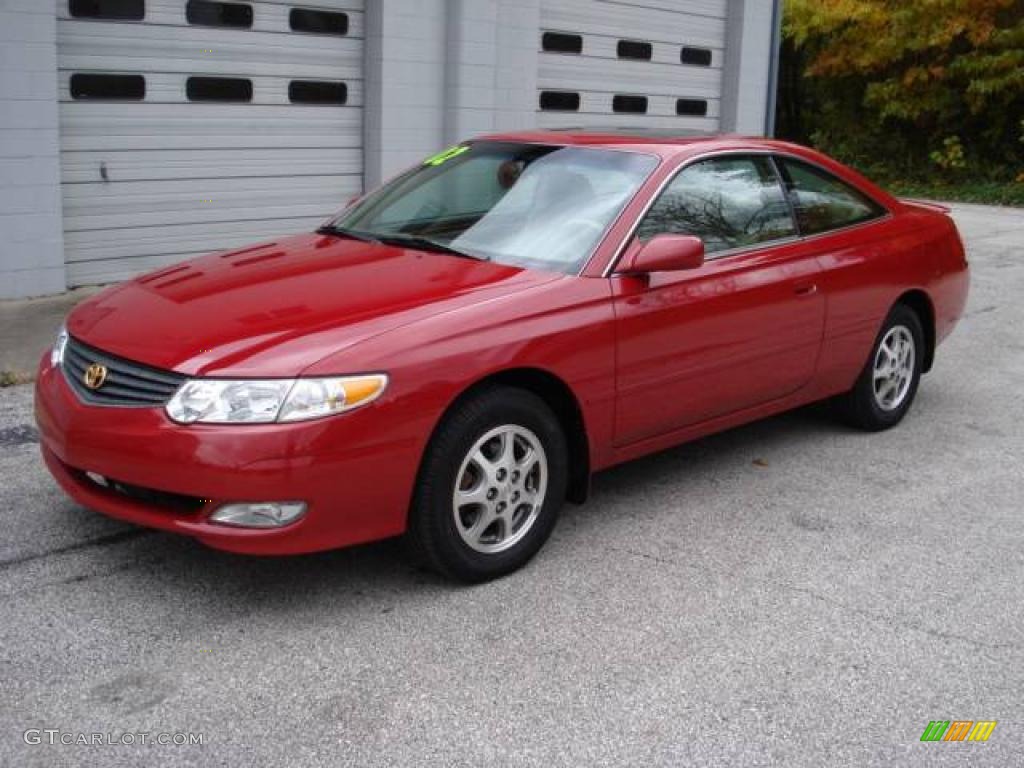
789, 593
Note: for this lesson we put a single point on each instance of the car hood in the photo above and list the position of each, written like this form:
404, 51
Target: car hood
276, 308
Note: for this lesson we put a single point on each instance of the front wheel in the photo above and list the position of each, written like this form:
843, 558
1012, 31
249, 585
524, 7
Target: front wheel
492, 482
888, 383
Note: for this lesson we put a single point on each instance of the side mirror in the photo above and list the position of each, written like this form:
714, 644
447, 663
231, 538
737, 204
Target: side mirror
663, 253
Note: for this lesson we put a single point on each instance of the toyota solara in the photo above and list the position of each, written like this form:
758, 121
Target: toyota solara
454, 354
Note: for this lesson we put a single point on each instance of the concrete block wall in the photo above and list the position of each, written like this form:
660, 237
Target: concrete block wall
31, 239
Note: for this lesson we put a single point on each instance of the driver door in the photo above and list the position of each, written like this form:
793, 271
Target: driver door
742, 330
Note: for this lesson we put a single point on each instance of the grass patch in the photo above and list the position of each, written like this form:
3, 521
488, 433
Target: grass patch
13, 378
983, 192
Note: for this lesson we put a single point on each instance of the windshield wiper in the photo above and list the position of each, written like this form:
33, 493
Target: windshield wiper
330, 229
426, 244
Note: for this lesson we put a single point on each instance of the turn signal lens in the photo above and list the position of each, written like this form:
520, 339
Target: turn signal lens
313, 398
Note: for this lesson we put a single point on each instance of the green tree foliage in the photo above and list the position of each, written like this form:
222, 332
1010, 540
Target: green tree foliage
905, 88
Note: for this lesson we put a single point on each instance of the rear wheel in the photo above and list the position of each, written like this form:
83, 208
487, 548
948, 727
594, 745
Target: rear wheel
493, 480
888, 383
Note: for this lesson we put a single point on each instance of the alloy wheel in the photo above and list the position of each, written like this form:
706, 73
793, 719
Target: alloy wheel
894, 368
500, 489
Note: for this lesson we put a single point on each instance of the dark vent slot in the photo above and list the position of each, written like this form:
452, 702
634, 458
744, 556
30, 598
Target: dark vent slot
633, 49
127, 10
559, 42
692, 107
108, 87
219, 89
210, 14
318, 22
559, 101
173, 502
317, 92
700, 57
634, 104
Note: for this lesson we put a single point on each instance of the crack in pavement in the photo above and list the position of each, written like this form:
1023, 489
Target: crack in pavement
888, 620
83, 578
100, 541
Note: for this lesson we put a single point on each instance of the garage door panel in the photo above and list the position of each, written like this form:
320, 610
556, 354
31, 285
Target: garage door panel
194, 139
266, 17
164, 240
715, 8
673, 125
586, 80
627, 77
606, 47
346, 68
134, 194
193, 126
132, 165
167, 88
150, 182
652, 24
600, 103
98, 206
257, 210
146, 49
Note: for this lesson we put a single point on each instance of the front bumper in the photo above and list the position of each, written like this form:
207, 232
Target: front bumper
353, 471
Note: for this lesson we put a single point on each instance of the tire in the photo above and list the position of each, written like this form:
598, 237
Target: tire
505, 505
879, 401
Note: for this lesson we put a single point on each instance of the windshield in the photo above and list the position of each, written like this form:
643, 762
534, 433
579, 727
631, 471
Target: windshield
526, 205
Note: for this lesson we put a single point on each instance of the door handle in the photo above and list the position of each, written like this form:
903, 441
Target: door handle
806, 289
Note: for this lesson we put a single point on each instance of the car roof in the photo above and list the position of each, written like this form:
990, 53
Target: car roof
661, 143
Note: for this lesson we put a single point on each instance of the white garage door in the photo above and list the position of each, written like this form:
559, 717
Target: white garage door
190, 126
649, 64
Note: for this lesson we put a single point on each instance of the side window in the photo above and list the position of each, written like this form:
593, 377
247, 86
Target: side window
821, 201
728, 202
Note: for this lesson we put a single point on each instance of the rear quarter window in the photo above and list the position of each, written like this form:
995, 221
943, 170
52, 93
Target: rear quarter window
822, 202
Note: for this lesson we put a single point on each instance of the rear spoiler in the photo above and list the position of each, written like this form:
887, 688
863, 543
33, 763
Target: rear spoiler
926, 204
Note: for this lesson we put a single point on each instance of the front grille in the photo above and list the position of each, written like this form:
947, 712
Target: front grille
127, 384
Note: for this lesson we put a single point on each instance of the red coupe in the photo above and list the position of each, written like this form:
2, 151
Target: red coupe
454, 354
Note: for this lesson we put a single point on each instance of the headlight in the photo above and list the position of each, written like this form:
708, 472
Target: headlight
57, 353
225, 401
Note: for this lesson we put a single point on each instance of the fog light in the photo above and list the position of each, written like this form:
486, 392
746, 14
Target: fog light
269, 514
98, 479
